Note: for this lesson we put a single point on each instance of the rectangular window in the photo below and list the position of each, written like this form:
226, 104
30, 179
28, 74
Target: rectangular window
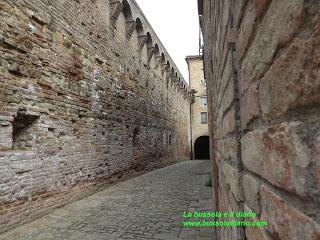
203, 101
204, 118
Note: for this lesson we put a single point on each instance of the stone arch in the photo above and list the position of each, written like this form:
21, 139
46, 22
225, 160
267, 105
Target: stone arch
139, 27
175, 77
156, 50
157, 55
168, 69
115, 10
168, 66
140, 34
202, 148
130, 23
150, 47
126, 9
163, 63
172, 72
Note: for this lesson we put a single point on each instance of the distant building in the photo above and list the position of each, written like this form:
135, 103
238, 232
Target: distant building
199, 111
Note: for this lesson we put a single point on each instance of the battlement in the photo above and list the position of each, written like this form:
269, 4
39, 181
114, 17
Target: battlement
135, 20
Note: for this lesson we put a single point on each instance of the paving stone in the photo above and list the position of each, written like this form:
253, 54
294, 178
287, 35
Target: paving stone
146, 207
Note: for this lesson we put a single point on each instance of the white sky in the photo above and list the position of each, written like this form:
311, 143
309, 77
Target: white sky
176, 24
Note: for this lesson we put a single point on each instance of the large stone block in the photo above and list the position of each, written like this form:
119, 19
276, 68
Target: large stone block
278, 28
261, 7
255, 233
293, 81
251, 188
227, 150
250, 106
227, 125
239, 9
284, 155
233, 177
286, 221
251, 149
246, 28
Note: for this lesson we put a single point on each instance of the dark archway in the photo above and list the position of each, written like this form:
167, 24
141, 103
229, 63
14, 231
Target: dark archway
201, 148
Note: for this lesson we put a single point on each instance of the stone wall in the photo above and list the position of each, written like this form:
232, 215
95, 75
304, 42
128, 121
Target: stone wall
88, 95
262, 64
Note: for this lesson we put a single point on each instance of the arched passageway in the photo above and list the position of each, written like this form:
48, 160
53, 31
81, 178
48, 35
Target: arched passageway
201, 148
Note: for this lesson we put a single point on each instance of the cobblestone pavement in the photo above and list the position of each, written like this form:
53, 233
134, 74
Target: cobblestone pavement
146, 207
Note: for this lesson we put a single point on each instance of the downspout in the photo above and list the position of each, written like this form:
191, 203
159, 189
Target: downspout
191, 102
191, 151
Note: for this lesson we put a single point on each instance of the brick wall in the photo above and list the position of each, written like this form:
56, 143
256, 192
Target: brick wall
88, 95
263, 71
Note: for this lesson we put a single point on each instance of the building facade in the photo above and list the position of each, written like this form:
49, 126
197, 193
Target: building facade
198, 109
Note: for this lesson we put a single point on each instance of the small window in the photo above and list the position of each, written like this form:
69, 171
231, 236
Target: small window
23, 134
204, 118
203, 101
169, 140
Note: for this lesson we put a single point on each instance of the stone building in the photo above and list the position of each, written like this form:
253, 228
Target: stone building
199, 112
262, 65
88, 96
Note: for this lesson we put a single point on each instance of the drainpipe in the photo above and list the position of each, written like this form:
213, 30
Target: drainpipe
191, 151
192, 102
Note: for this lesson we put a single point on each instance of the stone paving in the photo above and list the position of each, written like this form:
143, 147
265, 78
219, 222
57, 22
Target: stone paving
146, 207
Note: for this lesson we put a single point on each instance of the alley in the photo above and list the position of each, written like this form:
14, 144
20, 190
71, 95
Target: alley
146, 207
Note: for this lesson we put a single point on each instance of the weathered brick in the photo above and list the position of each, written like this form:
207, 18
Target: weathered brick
286, 221
24, 161
5, 135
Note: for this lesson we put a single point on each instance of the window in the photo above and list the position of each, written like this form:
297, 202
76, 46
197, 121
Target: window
203, 101
23, 134
204, 118
170, 139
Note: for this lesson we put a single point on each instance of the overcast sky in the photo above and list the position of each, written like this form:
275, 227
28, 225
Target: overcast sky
176, 24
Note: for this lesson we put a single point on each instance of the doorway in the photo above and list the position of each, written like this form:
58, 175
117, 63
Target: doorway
201, 148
